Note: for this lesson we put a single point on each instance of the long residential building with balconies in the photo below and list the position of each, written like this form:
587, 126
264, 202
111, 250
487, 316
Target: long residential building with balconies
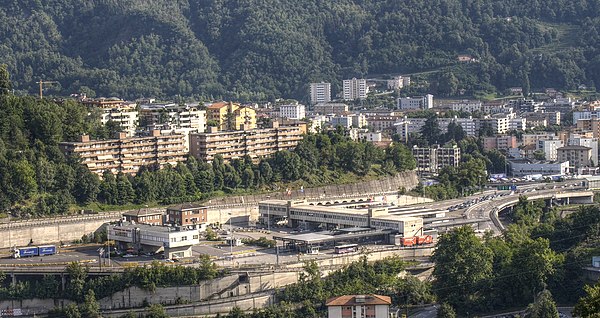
256, 143
125, 154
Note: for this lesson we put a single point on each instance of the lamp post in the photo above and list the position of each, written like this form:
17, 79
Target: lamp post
231, 239
268, 216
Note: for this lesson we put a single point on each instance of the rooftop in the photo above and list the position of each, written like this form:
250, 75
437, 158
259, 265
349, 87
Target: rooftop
186, 206
574, 147
351, 300
152, 228
143, 212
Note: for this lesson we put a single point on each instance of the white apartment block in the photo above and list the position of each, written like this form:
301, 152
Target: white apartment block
498, 124
517, 124
125, 115
398, 82
407, 126
355, 89
549, 147
316, 123
343, 121
466, 106
172, 117
417, 102
292, 111
320, 93
370, 136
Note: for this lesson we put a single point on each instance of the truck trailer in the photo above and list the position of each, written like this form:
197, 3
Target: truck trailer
31, 251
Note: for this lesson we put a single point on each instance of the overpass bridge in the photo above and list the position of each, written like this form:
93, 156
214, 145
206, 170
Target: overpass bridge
492, 208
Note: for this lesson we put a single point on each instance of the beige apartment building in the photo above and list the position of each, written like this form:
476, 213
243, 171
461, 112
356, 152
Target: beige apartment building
435, 158
257, 143
577, 156
231, 116
125, 154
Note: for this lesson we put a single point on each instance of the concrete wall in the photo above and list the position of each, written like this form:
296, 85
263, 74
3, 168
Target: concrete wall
34, 306
212, 307
242, 208
221, 288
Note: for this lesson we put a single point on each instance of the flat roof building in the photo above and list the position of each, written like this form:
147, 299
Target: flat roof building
144, 216
127, 154
358, 306
174, 241
256, 143
187, 214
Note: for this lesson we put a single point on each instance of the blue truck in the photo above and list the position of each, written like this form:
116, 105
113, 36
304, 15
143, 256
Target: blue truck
34, 251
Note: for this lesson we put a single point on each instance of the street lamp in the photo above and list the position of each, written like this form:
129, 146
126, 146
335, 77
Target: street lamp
268, 215
231, 238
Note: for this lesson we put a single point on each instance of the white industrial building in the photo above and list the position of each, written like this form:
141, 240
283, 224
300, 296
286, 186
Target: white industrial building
176, 242
520, 168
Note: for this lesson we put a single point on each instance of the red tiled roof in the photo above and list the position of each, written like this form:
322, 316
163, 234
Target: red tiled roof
350, 300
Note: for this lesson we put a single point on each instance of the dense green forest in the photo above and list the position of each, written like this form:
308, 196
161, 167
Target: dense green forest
262, 50
37, 179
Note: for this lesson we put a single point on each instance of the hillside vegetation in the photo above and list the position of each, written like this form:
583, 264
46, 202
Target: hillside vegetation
264, 49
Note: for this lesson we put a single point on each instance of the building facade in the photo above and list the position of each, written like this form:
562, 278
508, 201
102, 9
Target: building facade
126, 154
417, 102
355, 89
550, 148
520, 168
256, 143
144, 216
231, 116
499, 142
172, 117
175, 242
577, 156
331, 108
434, 159
320, 93
292, 111
358, 306
187, 214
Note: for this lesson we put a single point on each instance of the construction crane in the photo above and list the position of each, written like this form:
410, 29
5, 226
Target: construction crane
42, 86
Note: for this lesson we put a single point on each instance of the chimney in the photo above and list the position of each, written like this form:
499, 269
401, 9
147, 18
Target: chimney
274, 124
121, 135
213, 129
155, 133
84, 138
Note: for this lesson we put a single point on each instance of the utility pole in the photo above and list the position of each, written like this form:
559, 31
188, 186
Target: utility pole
41, 82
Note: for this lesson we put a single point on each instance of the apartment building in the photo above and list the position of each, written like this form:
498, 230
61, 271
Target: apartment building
579, 115
320, 93
417, 102
349, 121
398, 82
433, 159
116, 110
532, 139
542, 119
550, 148
172, 116
231, 116
292, 111
499, 142
518, 124
406, 126
382, 123
127, 154
498, 124
466, 106
358, 306
355, 89
187, 214
592, 143
577, 156
590, 124
144, 216
256, 143
331, 108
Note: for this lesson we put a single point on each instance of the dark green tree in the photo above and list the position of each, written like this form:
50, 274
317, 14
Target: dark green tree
5, 83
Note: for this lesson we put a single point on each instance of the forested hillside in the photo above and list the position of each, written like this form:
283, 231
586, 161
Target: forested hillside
264, 49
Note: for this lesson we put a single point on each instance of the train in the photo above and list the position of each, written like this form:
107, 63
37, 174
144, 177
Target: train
417, 240
31, 251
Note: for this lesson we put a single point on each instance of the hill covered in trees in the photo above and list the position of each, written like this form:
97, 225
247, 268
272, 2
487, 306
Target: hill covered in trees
265, 49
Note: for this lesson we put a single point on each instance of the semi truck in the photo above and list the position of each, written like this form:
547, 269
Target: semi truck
31, 251
417, 240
